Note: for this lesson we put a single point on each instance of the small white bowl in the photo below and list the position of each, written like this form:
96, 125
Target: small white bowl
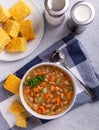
44, 116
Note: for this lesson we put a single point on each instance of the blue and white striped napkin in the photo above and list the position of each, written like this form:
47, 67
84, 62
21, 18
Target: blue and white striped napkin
76, 60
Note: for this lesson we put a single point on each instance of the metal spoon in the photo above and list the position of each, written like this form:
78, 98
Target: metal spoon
59, 56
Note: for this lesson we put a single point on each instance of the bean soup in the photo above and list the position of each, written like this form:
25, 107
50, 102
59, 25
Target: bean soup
48, 90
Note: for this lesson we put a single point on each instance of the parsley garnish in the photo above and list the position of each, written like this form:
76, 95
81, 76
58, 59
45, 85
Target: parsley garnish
35, 81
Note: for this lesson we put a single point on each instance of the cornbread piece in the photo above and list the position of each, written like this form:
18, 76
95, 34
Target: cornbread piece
4, 15
4, 38
27, 30
12, 84
21, 120
12, 28
1, 49
24, 114
19, 10
16, 108
16, 45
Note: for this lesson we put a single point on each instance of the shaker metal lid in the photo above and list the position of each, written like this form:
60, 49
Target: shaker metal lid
56, 7
82, 13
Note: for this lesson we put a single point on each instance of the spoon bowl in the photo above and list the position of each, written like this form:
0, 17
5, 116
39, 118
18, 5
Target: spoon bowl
58, 56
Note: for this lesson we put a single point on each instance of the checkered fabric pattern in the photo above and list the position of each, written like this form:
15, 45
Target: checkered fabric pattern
76, 60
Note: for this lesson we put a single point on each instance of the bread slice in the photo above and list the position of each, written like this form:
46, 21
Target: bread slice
12, 84
16, 108
20, 10
1, 49
27, 30
12, 28
4, 15
4, 38
17, 45
21, 120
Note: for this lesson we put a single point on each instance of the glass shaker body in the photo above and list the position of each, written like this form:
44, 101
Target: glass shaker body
75, 27
55, 11
54, 20
82, 14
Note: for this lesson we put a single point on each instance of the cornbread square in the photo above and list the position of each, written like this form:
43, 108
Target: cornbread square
12, 84
27, 30
17, 45
24, 114
4, 38
16, 108
21, 121
1, 49
12, 28
20, 10
4, 15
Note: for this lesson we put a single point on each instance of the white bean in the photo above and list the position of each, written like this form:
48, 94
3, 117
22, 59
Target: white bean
46, 79
62, 95
58, 93
52, 83
50, 95
52, 88
48, 101
48, 105
66, 82
65, 102
47, 110
53, 107
53, 101
35, 107
61, 90
58, 111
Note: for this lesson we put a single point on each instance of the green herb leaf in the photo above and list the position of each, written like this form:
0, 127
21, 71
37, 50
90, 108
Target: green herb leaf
35, 81
26, 83
40, 78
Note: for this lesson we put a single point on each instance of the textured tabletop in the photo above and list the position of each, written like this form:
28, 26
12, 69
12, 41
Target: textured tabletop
85, 117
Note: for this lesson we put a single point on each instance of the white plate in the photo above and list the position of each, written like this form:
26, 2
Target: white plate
38, 24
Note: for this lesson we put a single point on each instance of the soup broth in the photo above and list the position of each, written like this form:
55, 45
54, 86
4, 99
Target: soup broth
48, 90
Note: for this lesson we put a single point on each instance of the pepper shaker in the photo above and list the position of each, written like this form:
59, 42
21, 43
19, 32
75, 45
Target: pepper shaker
82, 13
55, 11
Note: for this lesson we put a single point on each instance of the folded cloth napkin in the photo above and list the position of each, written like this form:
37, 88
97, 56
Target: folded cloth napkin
76, 60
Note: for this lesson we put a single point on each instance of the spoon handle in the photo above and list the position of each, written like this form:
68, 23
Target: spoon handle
87, 89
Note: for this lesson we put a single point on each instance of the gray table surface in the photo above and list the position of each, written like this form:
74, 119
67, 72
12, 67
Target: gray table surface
85, 117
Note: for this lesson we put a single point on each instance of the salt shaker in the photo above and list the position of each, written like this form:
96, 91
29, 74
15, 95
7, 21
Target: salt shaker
55, 11
82, 14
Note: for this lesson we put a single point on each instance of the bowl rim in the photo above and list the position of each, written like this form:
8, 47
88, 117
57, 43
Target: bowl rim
40, 115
